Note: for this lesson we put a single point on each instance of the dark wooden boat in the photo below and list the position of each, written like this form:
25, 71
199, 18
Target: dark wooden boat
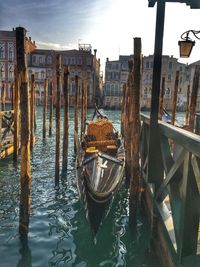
100, 168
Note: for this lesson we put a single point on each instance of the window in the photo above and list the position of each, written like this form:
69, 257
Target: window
10, 51
89, 61
79, 61
147, 65
11, 71
34, 59
49, 59
40, 60
2, 71
42, 74
2, 50
170, 66
169, 77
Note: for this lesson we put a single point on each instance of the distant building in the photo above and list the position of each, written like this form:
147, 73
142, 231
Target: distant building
81, 62
8, 59
116, 74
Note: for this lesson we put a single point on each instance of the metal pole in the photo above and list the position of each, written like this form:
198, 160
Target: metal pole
154, 156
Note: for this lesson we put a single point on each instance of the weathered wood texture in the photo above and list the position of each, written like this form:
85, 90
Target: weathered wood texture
66, 120
193, 101
45, 108
58, 96
12, 93
3, 97
83, 108
123, 109
135, 132
162, 93
174, 103
25, 132
16, 115
32, 135
50, 108
76, 97
187, 105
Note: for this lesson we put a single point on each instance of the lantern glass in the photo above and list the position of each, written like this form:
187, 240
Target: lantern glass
185, 48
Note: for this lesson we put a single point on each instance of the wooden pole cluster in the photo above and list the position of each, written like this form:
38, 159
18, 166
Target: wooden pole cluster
25, 132
135, 131
193, 101
162, 93
45, 107
3, 97
66, 120
58, 74
51, 108
174, 103
76, 97
16, 116
83, 108
32, 108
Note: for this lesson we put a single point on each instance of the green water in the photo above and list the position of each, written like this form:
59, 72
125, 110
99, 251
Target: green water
59, 234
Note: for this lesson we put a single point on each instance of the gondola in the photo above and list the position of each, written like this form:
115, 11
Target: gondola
100, 168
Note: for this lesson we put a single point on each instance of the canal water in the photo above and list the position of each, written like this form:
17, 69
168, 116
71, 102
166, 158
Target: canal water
59, 234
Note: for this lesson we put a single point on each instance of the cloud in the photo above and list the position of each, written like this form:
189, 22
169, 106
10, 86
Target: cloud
55, 46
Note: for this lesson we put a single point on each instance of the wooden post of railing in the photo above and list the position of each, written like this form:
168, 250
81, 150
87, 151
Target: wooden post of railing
123, 108
12, 93
174, 103
32, 111
187, 105
76, 97
25, 133
45, 107
66, 120
193, 101
58, 73
3, 97
16, 116
51, 108
83, 108
162, 98
135, 132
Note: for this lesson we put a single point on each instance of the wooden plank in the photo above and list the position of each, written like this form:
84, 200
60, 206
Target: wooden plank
196, 171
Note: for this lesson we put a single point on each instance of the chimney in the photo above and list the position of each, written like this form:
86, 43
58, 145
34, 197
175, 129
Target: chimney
95, 52
107, 59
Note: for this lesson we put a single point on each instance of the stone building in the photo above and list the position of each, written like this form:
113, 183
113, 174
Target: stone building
81, 62
8, 59
116, 74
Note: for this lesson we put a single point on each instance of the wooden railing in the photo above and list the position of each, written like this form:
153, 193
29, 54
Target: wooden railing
6, 132
175, 193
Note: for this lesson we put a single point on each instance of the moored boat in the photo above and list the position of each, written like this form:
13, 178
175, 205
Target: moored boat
100, 168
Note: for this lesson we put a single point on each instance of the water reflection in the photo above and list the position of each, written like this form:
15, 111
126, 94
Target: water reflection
25, 252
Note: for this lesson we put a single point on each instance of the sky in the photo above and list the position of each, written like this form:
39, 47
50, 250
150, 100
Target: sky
108, 25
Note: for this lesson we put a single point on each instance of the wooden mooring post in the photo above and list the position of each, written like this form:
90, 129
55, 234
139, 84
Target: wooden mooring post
50, 108
76, 97
12, 93
66, 120
83, 108
16, 116
45, 107
193, 101
174, 103
162, 93
123, 109
3, 97
187, 105
25, 133
32, 135
135, 132
58, 77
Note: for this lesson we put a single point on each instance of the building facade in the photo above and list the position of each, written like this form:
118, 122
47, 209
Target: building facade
81, 62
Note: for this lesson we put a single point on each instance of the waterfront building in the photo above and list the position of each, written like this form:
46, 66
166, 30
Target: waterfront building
8, 59
81, 62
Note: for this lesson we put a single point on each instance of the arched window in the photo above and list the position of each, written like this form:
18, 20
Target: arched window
2, 50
